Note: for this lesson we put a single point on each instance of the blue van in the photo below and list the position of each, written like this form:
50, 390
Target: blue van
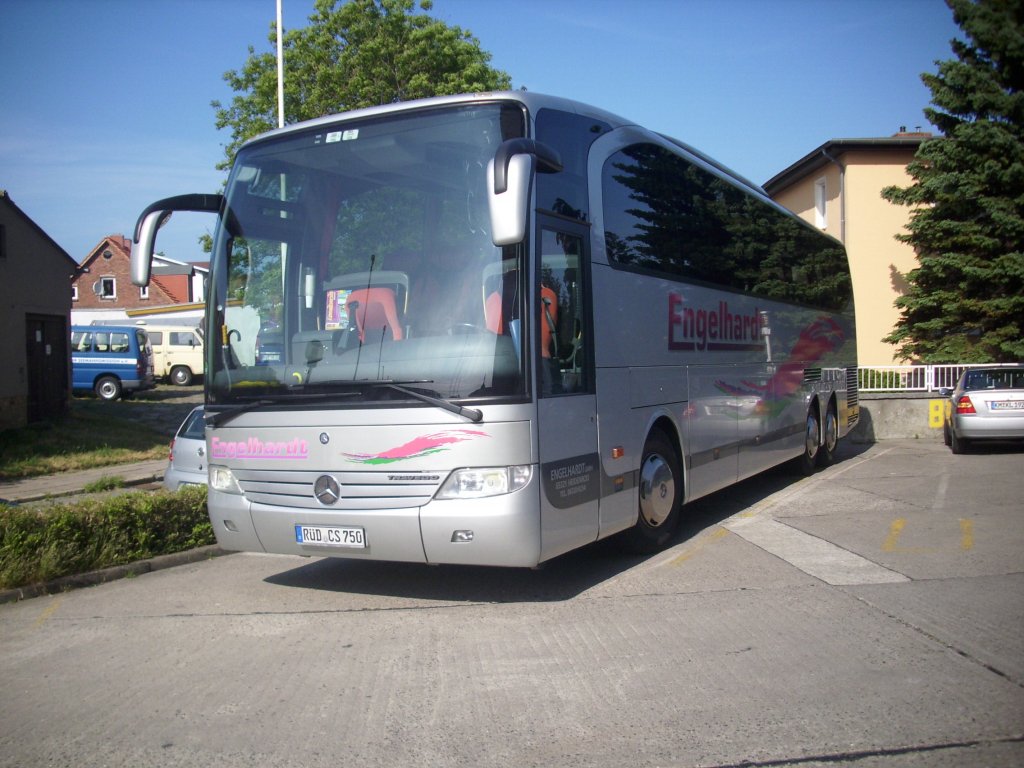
111, 360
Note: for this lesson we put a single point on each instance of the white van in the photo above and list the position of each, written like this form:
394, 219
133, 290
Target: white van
177, 352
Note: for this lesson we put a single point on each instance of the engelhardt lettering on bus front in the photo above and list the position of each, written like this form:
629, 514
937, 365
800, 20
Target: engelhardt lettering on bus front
699, 328
254, 448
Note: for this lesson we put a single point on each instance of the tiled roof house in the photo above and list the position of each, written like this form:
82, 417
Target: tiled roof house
102, 288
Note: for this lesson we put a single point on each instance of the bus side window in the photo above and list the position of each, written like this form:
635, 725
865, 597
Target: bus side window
562, 359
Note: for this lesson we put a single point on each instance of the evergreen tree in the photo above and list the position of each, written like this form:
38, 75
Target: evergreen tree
359, 53
966, 297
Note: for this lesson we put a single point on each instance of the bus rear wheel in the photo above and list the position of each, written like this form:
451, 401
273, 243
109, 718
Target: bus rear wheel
661, 487
808, 460
830, 438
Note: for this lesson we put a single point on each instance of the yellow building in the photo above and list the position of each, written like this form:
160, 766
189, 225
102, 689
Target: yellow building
838, 188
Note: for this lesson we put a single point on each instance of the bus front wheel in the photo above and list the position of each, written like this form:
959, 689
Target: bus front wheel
661, 487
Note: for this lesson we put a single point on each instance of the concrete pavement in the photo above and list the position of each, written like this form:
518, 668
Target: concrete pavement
738, 645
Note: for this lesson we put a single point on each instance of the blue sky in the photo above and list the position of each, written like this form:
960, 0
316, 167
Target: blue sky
107, 102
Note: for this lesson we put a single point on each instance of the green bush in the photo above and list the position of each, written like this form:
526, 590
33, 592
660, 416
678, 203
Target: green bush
42, 543
881, 379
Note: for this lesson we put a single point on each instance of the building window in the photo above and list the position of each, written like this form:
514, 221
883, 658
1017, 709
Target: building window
74, 293
108, 288
820, 219
144, 292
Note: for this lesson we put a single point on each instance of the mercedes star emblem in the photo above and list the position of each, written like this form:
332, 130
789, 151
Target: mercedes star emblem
326, 489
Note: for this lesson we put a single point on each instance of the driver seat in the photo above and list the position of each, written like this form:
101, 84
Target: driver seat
373, 310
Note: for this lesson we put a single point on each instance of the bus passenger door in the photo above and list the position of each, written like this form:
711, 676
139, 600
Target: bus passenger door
567, 406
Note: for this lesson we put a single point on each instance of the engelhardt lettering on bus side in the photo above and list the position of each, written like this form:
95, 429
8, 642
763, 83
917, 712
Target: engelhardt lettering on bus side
572, 481
699, 329
254, 448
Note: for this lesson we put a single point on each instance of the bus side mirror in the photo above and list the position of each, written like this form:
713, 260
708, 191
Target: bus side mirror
508, 209
509, 178
154, 217
143, 244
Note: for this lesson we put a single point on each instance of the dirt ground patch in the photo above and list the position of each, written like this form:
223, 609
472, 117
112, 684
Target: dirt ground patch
162, 409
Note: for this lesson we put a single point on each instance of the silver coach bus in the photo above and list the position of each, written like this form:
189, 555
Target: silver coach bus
489, 329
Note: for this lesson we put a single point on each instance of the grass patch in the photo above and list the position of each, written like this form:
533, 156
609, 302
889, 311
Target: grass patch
105, 483
38, 544
80, 440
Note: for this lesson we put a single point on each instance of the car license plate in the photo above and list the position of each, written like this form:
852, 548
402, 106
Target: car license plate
330, 536
1007, 405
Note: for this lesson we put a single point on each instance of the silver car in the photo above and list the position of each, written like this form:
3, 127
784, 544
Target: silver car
987, 404
186, 464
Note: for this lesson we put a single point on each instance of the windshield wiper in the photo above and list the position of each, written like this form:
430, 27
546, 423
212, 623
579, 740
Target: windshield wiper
473, 414
223, 417
229, 413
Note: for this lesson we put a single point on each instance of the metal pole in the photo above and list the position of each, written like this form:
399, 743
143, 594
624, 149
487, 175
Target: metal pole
280, 68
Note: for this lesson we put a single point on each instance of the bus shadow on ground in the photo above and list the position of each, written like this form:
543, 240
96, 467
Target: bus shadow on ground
562, 578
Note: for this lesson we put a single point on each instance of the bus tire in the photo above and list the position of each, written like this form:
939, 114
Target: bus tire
107, 388
830, 438
660, 496
181, 375
808, 459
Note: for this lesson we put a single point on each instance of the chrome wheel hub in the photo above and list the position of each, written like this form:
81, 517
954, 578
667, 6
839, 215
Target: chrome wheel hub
657, 490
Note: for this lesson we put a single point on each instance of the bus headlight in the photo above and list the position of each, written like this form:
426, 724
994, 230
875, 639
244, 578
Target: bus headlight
479, 482
223, 479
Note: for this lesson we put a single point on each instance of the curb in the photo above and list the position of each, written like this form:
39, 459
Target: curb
92, 578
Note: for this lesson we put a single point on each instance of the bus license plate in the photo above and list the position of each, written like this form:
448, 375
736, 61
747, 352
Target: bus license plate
330, 536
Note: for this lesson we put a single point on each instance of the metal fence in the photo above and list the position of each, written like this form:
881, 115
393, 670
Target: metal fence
909, 378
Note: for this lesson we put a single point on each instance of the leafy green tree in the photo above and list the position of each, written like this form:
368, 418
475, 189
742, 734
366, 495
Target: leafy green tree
966, 298
360, 53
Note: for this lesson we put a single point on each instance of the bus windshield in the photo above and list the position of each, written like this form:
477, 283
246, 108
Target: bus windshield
358, 252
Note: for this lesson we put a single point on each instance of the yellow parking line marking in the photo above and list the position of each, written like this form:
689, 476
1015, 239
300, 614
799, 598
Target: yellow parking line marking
698, 546
966, 534
894, 535
50, 610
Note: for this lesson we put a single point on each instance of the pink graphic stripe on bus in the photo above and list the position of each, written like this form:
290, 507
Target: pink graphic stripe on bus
417, 448
819, 338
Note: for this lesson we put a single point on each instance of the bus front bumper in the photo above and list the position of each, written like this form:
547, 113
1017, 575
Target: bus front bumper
500, 531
